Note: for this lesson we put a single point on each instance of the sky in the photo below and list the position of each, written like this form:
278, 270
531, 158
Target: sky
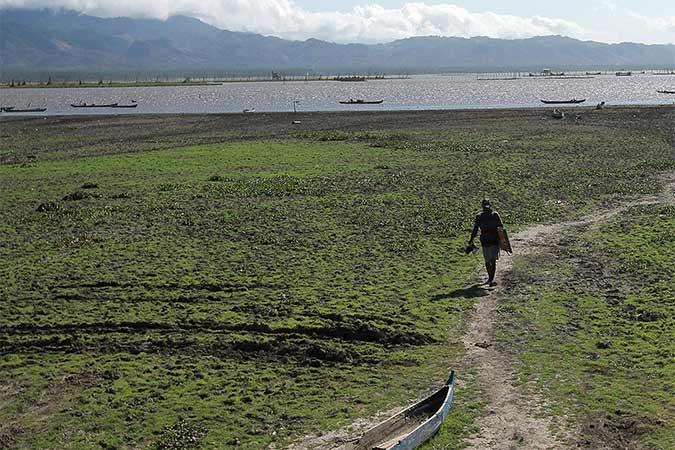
376, 21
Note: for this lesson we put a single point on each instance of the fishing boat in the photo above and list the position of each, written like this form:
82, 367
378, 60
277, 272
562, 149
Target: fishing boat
6, 108
563, 102
361, 102
132, 105
11, 109
411, 427
248, 110
623, 74
93, 105
666, 92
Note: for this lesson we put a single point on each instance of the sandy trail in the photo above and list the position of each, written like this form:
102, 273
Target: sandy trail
513, 420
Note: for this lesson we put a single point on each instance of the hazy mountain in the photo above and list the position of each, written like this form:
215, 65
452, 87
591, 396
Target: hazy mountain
42, 40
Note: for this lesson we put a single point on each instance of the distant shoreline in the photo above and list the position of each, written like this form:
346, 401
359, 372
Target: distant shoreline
215, 82
114, 84
251, 116
357, 79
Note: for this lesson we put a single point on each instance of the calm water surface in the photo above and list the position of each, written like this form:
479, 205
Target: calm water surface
417, 92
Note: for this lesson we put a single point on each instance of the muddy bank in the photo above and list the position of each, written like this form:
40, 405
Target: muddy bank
26, 139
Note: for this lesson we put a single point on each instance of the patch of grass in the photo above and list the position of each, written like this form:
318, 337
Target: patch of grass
599, 338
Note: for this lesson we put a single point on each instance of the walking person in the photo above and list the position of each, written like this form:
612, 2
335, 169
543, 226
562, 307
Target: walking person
488, 221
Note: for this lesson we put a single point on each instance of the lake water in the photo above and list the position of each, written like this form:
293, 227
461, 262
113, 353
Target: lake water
416, 92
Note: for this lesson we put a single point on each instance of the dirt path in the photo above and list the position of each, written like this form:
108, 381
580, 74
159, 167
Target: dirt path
512, 420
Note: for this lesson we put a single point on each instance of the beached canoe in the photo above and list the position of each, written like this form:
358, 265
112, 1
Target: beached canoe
666, 92
411, 427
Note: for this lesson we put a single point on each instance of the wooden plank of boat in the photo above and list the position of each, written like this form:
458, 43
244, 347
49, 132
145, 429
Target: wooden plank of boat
563, 102
361, 102
411, 427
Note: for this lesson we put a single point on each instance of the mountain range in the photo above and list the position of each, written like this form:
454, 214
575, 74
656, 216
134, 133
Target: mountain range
65, 41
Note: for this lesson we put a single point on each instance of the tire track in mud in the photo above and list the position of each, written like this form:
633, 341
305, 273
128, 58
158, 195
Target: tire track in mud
513, 420
333, 341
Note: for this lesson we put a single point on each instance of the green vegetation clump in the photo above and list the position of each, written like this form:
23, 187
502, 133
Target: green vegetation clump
247, 294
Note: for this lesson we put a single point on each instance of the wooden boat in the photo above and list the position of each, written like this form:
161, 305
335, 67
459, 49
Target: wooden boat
411, 427
93, 105
563, 102
249, 110
133, 105
361, 102
6, 108
12, 109
623, 74
666, 92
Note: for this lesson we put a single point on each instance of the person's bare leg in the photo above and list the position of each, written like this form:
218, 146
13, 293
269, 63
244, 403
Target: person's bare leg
487, 269
491, 267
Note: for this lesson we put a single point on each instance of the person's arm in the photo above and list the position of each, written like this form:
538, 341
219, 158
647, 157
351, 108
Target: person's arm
499, 220
475, 231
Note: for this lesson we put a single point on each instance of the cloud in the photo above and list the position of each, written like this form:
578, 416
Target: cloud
661, 24
368, 23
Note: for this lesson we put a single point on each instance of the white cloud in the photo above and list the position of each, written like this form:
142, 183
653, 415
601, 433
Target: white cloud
368, 23
661, 24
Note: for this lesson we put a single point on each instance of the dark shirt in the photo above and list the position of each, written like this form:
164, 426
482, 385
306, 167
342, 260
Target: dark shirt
488, 221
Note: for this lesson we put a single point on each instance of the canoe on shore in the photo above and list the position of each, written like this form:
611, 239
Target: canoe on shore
563, 102
411, 427
361, 102
666, 92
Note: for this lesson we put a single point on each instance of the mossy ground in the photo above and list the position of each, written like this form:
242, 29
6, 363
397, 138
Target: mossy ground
246, 294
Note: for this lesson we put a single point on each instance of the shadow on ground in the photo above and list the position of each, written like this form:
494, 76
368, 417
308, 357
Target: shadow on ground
477, 290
